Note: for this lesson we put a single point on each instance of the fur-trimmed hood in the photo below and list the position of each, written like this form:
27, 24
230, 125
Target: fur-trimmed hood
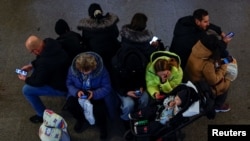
135, 36
89, 23
96, 72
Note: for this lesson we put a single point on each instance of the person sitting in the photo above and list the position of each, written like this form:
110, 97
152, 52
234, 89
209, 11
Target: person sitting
70, 41
100, 33
189, 29
48, 73
204, 63
88, 73
163, 74
128, 81
136, 35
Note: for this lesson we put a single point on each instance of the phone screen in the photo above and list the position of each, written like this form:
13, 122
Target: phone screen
22, 72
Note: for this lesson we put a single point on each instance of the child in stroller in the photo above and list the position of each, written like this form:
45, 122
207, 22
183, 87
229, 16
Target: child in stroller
179, 108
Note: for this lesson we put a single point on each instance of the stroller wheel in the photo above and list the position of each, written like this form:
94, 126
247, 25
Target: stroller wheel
128, 136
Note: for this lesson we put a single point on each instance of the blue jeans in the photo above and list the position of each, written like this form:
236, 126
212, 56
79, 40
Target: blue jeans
32, 95
128, 104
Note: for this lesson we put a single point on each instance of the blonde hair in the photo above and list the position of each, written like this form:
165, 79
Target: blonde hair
86, 62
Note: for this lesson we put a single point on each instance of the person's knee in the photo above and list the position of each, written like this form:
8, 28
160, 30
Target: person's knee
127, 104
27, 90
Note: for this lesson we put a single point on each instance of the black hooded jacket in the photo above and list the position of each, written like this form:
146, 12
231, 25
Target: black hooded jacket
50, 67
186, 34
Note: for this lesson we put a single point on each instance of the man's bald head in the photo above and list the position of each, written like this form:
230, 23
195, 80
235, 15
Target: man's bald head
34, 43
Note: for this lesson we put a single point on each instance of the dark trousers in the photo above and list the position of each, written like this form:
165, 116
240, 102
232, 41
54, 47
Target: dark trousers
220, 100
99, 111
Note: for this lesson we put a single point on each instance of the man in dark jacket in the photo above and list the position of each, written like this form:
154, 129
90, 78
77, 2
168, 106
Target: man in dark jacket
49, 71
189, 29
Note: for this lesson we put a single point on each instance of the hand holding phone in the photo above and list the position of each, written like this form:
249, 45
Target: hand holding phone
153, 40
230, 35
22, 72
138, 92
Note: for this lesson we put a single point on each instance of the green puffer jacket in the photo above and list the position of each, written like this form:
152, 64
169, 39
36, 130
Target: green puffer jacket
153, 81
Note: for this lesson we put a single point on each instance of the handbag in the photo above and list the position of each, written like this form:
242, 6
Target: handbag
232, 70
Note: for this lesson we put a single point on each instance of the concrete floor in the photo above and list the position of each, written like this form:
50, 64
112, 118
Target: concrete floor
19, 19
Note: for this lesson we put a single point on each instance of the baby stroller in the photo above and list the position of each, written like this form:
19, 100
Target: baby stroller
200, 103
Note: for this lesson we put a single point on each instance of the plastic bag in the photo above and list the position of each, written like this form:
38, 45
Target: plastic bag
232, 70
53, 128
87, 110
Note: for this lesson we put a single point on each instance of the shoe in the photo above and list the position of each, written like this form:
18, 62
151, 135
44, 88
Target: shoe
135, 116
80, 126
36, 119
223, 108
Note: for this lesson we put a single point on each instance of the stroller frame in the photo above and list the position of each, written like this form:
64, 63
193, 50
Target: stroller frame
174, 125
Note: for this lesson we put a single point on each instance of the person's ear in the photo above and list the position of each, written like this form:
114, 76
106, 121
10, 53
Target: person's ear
197, 22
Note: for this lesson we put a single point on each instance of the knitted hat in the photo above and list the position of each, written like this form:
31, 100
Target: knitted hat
184, 97
94, 10
61, 27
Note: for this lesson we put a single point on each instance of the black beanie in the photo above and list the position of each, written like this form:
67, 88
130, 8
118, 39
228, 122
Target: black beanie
184, 97
94, 8
61, 27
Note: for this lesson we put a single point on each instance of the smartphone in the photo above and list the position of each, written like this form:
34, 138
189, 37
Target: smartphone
138, 93
84, 97
230, 35
227, 60
22, 72
153, 40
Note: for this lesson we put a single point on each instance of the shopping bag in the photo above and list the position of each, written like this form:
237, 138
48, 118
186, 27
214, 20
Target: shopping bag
87, 110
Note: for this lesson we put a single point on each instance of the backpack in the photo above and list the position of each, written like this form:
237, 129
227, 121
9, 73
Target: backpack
129, 61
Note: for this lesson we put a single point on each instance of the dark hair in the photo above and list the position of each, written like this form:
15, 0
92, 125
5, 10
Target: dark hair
139, 22
199, 14
95, 11
212, 43
61, 27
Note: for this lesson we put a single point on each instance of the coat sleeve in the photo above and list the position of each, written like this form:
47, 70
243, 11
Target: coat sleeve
212, 75
70, 83
152, 82
105, 86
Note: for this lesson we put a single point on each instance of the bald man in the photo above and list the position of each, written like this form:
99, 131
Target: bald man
47, 73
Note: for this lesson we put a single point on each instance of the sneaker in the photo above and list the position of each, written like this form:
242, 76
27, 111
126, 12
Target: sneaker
135, 115
223, 108
36, 119
80, 126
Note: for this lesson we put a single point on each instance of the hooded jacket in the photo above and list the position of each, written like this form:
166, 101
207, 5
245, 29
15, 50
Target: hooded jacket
99, 79
186, 34
201, 67
153, 81
138, 39
101, 36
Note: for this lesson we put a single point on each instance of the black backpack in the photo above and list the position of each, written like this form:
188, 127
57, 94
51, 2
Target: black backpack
129, 61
